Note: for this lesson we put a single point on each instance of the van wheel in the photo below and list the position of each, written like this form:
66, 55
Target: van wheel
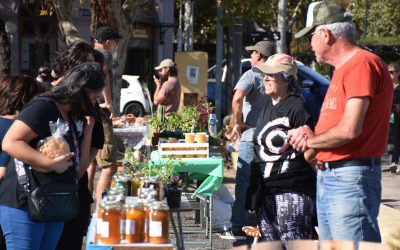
134, 108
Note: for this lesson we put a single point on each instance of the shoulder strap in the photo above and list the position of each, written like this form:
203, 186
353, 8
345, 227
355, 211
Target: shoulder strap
24, 175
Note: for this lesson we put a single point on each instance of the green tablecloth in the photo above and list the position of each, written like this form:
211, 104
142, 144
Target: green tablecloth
211, 170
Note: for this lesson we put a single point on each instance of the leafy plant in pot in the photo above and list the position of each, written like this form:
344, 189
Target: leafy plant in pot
172, 182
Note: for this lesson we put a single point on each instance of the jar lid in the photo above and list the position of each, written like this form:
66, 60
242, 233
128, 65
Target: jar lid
159, 205
124, 178
116, 176
155, 178
112, 205
116, 191
134, 205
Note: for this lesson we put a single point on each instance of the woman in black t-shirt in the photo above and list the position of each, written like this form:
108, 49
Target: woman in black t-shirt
282, 184
71, 101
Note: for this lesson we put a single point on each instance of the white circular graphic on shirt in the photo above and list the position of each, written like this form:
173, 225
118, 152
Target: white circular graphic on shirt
276, 141
273, 139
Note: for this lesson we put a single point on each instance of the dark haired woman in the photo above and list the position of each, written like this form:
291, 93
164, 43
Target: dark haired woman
282, 184
15, 92
71, 101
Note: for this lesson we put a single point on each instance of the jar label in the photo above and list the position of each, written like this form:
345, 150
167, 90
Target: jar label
155, 228
105, 229
146, 225
99, 226
122, 226
130, 227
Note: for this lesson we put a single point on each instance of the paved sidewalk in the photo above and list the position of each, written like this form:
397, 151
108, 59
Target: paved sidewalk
389, 215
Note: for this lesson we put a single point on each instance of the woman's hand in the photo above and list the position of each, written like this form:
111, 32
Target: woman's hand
61, 163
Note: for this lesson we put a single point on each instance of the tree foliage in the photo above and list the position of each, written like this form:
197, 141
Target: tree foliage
383, 17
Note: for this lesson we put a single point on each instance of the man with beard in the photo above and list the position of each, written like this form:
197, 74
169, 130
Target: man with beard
168, 88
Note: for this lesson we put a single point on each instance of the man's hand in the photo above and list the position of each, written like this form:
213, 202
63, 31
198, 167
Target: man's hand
298, 137
157, 81
238, 128
107, 106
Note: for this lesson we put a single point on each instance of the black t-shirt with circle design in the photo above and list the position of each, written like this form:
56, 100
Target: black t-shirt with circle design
276, 164
37, 114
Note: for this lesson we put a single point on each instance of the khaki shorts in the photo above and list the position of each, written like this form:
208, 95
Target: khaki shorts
107, 156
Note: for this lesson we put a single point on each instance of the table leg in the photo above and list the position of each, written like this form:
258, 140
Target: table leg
210, 215
178, 232
178, 215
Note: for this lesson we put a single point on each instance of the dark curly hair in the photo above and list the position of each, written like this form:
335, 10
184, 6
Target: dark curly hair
74, 87
16, 91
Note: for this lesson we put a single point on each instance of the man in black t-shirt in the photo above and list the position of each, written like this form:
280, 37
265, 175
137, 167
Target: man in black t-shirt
105, 41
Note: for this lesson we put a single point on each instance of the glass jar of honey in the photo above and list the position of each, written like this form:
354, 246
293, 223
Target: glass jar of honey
111, 220
123, 182
136, 184
117, 194
154, 182
158, 223
99, 222
147, 207
114, 179
133, 223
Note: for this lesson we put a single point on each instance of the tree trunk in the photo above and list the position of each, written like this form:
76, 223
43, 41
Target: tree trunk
282, 27
4, 53
109, 12
188, 25
67, 28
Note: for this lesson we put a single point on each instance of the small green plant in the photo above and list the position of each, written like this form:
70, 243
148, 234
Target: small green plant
133, 162
173, 122
190, 116
156, 123
167, 171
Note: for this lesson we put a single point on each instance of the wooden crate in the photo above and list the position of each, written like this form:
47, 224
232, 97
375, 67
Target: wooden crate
184, 150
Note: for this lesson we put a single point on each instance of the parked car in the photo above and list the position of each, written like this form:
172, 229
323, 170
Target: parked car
134, 98
314, 85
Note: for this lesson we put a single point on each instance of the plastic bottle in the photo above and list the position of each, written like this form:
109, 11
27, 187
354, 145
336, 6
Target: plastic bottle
212, 124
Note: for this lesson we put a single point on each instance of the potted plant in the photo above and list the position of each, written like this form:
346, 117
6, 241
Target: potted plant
172, 182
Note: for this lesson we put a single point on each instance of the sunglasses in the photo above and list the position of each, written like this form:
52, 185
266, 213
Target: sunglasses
274, 75
391, 72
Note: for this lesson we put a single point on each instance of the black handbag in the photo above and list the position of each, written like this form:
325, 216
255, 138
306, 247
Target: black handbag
49, 202
54, 202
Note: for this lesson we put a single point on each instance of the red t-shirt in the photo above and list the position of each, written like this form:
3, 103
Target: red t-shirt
365, 74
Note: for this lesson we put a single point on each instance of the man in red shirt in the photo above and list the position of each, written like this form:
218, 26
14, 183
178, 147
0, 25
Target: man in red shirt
352, 130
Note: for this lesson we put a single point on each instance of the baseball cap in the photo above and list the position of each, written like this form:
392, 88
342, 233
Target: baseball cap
106, 33
266, 48
278, 63
323, 12
165, 63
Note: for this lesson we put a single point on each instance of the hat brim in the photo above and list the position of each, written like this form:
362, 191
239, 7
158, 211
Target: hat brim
158, 67
272, 70
250, 48
268, 69
304, 32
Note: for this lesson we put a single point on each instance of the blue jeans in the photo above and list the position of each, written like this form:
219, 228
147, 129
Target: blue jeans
23, 233
348, 200
239, 214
